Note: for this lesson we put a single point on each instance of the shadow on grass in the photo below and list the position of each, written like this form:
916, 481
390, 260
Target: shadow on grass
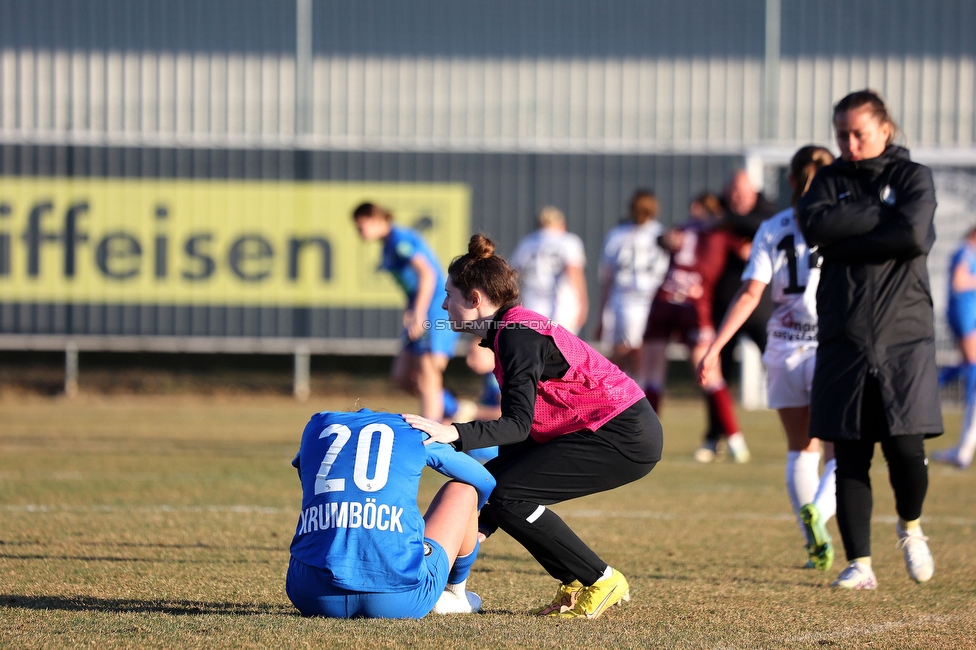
121, 605
192, 546
108, 558
781, 579
180, 547
506, 612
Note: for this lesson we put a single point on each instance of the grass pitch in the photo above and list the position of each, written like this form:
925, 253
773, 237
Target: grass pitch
165, 521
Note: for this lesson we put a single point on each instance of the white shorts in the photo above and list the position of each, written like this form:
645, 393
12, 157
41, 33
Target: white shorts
789, 376
624, 321
564, 311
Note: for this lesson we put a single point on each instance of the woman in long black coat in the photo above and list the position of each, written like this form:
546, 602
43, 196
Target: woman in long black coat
871, 213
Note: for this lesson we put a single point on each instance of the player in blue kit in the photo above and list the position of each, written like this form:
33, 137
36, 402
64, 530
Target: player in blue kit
419, 368
961, 316
361, 548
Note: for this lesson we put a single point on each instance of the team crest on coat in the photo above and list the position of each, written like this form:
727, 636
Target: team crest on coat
887, 195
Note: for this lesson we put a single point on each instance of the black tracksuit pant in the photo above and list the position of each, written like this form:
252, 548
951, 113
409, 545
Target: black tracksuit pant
907, 472
531, 475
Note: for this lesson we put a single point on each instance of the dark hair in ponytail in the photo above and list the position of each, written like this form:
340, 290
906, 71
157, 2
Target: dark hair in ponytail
481, 269
804, 165
873, 101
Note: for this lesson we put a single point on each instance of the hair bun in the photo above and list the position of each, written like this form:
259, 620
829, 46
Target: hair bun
481, 247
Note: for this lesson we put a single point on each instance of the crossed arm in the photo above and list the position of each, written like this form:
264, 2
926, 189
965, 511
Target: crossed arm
865, 231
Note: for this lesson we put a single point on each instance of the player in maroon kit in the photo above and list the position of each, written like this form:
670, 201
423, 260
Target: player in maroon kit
682, 310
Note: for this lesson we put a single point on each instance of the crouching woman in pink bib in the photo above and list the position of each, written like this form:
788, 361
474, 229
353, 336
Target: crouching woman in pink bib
572, 424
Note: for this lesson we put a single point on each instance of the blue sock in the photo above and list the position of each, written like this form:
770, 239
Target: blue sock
462, 566
450, 404
969, 375
949, 374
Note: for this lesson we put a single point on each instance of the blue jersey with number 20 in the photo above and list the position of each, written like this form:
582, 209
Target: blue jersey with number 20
360, 474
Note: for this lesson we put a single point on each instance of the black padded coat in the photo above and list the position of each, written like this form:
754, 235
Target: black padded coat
872, 222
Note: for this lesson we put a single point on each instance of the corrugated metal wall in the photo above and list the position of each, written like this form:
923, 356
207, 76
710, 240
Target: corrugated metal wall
921, 55
640, 76
547, 75
144, 70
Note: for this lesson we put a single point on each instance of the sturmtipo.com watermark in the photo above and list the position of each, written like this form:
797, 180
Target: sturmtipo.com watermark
464, 325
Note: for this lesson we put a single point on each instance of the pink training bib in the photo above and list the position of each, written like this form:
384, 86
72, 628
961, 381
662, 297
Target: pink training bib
592, 392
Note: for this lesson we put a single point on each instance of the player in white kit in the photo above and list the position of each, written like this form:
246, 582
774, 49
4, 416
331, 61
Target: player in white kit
780, 257
632, 268
550, 262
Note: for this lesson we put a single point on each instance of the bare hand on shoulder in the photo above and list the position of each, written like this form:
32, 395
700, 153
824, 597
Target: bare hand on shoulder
438, 432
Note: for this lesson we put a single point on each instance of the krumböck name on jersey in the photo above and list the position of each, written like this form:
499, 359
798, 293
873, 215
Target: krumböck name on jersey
351, 514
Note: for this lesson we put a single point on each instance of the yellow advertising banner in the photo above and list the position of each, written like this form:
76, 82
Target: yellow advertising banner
205, 242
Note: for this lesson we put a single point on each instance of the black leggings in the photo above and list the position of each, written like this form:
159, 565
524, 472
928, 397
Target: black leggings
530, 476
907, 472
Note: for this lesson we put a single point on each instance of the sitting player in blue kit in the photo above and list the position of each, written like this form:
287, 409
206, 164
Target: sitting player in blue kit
361, 548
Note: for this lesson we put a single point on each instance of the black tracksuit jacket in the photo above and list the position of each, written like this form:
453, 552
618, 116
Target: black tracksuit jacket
873, 223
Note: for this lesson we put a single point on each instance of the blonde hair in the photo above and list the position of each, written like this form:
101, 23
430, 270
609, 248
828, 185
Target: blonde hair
804, 166
550, 216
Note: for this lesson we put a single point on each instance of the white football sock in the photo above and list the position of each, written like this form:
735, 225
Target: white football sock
967, 437
802, 476
826, 499
458, 589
